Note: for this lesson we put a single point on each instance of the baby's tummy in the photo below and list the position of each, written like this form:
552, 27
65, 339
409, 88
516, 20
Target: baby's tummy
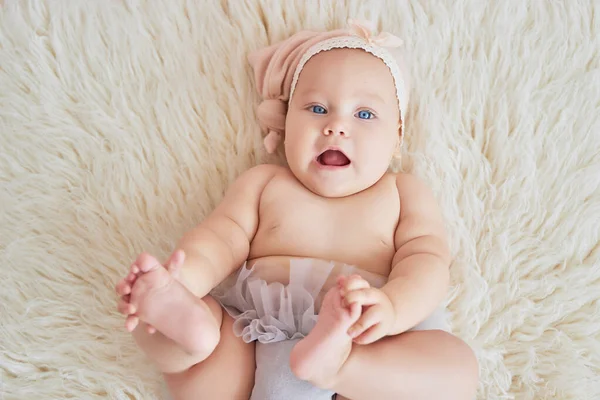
308, 272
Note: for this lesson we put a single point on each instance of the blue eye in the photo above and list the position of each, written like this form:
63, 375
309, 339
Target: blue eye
365, 114
318, 110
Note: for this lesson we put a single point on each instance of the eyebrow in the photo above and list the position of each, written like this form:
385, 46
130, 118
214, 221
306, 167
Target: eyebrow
374, 97
369, 96
307, 93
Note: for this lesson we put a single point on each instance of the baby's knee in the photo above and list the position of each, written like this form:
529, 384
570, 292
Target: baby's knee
175, 360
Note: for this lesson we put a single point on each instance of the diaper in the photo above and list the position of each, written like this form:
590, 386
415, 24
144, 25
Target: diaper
278, 315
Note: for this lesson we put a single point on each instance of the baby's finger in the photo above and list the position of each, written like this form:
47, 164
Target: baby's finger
366, 321
151, 330
354, 282
355, 310
371, 335
364, 297
125, 308
131, 322
175, 262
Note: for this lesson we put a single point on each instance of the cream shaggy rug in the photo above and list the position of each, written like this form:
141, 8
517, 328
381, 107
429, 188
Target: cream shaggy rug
122, 123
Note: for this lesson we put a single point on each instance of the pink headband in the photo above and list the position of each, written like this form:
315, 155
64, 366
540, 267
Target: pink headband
277, 68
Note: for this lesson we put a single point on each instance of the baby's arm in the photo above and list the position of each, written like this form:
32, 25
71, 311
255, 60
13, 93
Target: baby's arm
221, 243
419, 278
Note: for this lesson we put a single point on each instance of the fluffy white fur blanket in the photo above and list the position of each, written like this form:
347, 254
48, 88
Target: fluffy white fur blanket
122, 123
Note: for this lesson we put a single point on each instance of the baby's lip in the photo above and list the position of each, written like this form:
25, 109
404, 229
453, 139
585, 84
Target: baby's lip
341, 159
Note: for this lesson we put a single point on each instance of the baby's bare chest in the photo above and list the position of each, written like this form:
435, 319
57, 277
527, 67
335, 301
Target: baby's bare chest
357, 230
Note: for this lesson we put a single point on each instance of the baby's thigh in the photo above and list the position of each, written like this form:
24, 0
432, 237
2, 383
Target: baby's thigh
227, 374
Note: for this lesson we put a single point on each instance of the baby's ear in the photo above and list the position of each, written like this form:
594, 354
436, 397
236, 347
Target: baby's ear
400, 136
398, 150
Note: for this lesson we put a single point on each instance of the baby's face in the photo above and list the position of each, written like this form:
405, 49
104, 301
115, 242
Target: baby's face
342, 125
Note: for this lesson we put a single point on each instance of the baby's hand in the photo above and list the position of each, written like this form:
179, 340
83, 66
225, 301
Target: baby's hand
377, 309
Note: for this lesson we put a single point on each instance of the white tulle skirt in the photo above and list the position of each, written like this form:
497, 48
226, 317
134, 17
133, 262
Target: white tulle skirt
273, 312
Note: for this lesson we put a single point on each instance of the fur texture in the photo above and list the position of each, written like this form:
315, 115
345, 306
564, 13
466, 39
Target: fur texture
122, 123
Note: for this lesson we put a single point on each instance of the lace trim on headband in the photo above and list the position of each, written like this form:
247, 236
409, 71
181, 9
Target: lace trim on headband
353, 42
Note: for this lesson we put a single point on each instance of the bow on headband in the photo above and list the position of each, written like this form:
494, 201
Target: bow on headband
365, 29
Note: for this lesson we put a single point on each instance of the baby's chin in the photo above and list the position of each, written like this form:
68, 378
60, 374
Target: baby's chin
333, 193
335, 181
343, 185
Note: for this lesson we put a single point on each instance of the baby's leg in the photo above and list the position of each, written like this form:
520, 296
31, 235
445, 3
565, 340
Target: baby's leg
218, 365
414, 365
228, 373
171, 357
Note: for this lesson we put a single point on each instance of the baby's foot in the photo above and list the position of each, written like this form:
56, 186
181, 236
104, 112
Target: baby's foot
319, 356
153, 295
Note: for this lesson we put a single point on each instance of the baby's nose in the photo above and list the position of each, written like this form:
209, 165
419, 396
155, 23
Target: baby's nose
335, 131
335, 128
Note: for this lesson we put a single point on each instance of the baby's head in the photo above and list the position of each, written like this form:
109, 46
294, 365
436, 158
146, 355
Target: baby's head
338, 100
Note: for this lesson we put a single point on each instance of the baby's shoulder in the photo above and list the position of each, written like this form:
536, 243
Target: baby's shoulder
261, 176
405, 181
254, 180
413, 189
262, 173
273, 172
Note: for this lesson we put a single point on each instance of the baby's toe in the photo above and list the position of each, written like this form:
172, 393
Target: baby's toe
125, 308
132, 322
132, 277
145, 262
134, 270
123, 288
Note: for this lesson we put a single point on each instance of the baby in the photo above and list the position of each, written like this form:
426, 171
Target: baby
333, 266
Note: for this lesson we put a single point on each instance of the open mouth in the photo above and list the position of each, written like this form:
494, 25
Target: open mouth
333, 158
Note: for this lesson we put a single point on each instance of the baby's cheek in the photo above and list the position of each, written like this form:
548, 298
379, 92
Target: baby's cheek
375, 149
